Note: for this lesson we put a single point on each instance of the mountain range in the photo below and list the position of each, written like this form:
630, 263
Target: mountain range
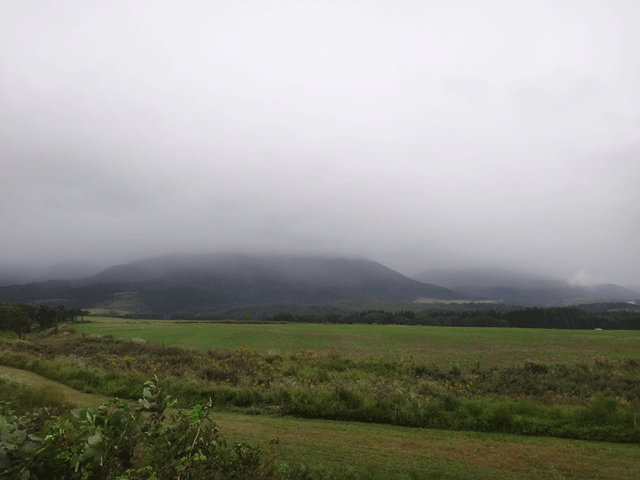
219, 283
182, 283
525, 289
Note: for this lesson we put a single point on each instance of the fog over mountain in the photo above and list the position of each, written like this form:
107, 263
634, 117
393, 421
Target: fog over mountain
488, 278
421, 135
207, 283
527, 289
315, 271
239, 274
237, 284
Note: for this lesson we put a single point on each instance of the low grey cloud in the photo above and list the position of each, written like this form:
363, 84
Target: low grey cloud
419, 134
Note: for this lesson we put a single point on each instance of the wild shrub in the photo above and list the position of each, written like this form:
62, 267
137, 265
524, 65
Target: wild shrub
535, 368
120, 441
348, 396
429, 388
556, 412
498, 417
471, 409
449, 402
601, 410
18, 440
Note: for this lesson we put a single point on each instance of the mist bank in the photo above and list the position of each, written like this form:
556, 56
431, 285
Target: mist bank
237, 284
526, 289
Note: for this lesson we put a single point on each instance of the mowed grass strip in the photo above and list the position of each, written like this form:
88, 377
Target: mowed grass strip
501, 346
382, 451
397, 452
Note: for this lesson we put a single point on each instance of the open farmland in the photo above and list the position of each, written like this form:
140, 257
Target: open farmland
488, 402
501, 346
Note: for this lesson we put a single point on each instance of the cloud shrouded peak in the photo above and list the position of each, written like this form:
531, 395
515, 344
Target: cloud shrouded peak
419, 135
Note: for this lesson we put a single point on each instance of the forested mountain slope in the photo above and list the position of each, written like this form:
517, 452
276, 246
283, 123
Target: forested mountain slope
182, 283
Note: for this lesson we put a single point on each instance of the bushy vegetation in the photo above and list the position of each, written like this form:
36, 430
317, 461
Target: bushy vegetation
123, 441
20, 318
595, 401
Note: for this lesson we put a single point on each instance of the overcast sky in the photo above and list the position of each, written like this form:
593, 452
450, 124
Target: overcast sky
419, 134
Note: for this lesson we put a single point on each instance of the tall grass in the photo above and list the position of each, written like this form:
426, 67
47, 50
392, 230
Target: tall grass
594, 401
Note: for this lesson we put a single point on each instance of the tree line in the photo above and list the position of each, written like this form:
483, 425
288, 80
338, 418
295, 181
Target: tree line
534, 317
21, 318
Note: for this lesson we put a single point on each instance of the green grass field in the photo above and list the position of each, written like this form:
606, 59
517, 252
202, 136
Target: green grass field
501, 346
477, 395
389, 452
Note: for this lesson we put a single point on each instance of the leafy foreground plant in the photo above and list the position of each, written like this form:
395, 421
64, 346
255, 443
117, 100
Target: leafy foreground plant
122, 442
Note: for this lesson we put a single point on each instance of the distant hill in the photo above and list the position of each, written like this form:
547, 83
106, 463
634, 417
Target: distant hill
525, 289
182, 283
17, 274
